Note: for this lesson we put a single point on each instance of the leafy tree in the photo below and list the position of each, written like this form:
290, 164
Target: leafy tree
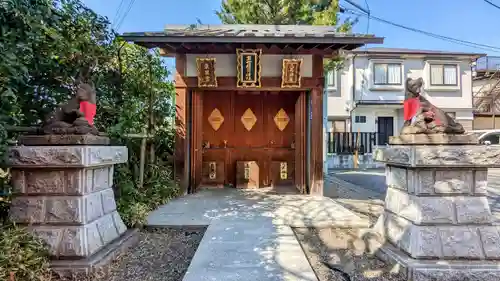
313, 12
47, 47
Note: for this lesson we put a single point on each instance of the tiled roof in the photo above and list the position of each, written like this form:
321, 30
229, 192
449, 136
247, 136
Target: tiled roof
381, 50
292, 33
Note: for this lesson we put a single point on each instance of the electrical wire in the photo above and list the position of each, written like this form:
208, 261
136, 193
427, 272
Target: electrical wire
125, 14
118, 10
492, 4
442, 37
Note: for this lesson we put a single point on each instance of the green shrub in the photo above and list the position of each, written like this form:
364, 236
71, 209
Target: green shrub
23, 254
133, 203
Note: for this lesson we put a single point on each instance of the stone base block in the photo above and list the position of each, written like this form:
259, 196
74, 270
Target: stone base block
432, 270
63, 140
80, 241
98, 260
446, 139
439, 241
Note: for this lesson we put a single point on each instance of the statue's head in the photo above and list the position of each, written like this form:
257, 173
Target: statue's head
414, 86
86, 92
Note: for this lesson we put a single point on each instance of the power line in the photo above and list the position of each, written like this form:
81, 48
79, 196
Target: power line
120, 6
492, 4
125, 14
442, 37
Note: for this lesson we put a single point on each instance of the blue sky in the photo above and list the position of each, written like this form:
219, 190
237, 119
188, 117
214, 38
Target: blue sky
471, 20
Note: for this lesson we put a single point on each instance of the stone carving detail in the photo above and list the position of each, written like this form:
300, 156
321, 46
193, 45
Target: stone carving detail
422, 117
76, 116
24, 155
65, 156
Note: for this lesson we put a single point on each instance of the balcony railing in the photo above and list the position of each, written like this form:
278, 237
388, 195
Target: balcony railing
488, 64
346, 143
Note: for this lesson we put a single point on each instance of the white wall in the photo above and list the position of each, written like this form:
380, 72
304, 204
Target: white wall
371, 114
339, 97
456, 99
225, 65
460, 96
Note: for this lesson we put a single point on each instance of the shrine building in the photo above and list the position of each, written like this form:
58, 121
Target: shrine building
249, 102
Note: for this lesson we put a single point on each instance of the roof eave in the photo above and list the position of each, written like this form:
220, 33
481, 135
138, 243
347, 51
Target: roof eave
252, 40
429, 54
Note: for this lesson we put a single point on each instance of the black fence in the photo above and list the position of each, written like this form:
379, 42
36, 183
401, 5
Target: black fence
346, 143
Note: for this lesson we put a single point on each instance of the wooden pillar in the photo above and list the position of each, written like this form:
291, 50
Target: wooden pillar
181, 145
196, 139
316, 156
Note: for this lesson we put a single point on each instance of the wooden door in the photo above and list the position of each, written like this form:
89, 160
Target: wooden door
249, 130
280, 130
385, 129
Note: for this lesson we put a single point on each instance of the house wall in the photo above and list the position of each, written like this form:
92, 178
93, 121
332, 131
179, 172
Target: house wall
225, 65
460, 96
340, 95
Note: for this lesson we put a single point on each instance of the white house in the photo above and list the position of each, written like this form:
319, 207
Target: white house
367, 94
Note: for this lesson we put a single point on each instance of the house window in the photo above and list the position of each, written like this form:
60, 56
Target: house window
331, 79
338, 126
387, 73
444, 74
360, 119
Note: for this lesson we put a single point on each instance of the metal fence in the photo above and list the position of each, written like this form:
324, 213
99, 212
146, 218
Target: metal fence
346, 143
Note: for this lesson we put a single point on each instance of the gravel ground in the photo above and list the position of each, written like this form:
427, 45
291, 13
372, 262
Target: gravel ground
345, 252
161, 254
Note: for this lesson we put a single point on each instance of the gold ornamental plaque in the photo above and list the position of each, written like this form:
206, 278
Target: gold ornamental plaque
213, 172
215, 119
290, 73
283, 170
281, 119
248, 119
206, 72
249, 68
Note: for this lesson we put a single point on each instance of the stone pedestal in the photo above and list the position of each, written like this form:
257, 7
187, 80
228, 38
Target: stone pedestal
64, 195
437, 222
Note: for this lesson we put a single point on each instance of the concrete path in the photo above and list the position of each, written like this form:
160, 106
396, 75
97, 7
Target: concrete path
249, 234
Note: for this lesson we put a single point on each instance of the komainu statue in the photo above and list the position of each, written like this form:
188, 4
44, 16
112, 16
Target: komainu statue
76, 116
422, 117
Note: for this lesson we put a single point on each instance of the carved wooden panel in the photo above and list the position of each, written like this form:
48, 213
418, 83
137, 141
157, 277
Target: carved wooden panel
213, 173
248, 119
215, 119
281, 119
247, 174
282, 172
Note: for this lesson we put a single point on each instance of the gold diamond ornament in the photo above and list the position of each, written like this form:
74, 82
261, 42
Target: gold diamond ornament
281, 119
215, 119
248, 119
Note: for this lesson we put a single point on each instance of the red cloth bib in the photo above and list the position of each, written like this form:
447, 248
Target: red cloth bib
411, 107
89, 110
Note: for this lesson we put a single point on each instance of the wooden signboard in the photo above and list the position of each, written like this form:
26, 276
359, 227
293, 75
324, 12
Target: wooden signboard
206, 72
249, 68
290, 73
247, 174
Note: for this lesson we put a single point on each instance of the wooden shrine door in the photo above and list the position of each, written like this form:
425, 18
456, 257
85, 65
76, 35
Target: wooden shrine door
249, 138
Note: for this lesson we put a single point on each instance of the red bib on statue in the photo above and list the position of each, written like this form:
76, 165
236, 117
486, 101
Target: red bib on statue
411, 107
89, 110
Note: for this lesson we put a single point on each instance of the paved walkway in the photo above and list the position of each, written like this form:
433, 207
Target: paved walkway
249, 235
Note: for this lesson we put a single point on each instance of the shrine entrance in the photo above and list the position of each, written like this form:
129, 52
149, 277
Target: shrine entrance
252, 139
249, 102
